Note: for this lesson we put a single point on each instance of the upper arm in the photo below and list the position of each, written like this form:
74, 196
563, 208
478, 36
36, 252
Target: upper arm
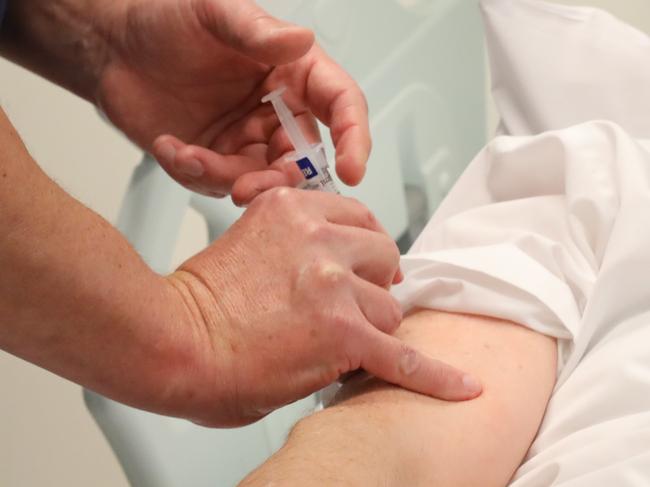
479, 442
379, 434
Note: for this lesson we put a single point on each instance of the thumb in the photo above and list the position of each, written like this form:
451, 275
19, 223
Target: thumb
247, 28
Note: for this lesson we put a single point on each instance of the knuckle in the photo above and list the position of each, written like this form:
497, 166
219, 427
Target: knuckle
260, 19
327, 272
366, 217
314, 230
409, 361
260, 201
280, 196
277, 202
369, 218
341, 321
320, 281
320, 278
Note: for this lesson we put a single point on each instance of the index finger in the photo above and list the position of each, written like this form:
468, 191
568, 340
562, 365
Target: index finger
392, 360
337, 100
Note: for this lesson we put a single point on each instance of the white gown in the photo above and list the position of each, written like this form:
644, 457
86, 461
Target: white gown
553, 231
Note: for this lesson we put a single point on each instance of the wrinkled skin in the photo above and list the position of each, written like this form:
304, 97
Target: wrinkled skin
184, 78
279, 329
293, 296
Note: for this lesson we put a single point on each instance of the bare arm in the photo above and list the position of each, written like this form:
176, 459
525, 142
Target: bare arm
378, 434
59, 40
76, 299
74, 296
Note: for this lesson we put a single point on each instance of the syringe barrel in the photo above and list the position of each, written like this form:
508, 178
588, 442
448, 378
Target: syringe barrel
313, 166
291, 127
311, 159
287, 120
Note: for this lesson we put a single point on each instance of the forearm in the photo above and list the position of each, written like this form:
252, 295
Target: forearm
335, 448
378, 434
59, 40
75, 298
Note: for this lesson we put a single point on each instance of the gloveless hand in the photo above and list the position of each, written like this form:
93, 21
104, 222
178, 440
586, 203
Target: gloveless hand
184, 78
278, 329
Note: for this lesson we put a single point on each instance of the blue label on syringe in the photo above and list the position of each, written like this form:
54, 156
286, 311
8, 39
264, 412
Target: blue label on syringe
307, 168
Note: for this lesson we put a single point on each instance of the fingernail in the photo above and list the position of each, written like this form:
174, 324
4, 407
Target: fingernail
399, 277
166, 152
472, 386
191, 167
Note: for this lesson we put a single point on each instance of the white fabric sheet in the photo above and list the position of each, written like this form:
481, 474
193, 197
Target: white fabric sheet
553, 231
554, 66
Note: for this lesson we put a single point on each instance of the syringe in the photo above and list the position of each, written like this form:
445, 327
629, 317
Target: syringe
310, 158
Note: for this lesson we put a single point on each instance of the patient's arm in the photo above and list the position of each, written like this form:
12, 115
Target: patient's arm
380, 435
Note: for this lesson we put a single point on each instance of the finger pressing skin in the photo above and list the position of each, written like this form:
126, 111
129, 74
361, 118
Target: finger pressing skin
378, 306
201, 169
391, 360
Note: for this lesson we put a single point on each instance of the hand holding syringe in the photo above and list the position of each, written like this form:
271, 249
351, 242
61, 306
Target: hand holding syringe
310, 158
